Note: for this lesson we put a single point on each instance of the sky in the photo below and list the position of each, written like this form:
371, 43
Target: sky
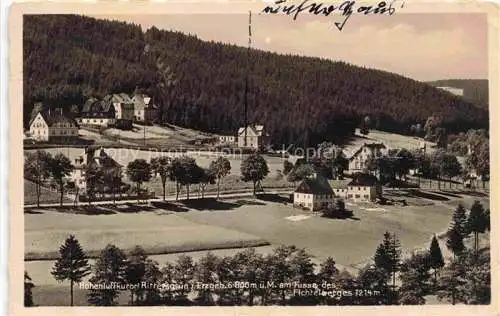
421, 46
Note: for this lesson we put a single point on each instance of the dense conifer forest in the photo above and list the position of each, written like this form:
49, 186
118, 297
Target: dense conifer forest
201, 85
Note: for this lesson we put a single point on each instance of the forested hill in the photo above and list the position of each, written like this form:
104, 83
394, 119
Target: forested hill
201, 84
475, 90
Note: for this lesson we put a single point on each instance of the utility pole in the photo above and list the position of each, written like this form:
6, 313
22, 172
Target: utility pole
246, 77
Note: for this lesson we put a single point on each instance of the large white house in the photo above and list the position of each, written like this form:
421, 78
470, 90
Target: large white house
144, 108
358, 161
314, 194
46, 126
362, 188
255, 137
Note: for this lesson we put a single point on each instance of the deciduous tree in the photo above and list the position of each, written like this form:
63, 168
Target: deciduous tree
36, 169
60, 168
220, 168
139, 171
161, 166
254, 168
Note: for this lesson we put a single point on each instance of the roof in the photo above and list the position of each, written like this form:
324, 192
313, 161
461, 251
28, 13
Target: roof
255, 129
97, 108
54, 117
364, 179
142, 101
118, 98
370, 146
101, 158
317, 185
339, 184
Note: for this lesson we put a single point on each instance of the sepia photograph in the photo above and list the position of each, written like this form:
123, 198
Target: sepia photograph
294, 154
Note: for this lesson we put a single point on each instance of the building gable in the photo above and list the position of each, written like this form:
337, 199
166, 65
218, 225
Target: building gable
38, 121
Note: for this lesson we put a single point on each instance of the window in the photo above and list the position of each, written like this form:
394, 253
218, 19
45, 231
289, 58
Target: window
356, 196
364, 188
366, 196
349, 195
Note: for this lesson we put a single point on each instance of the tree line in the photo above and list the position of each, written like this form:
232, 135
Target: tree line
200, 85
276, 278
42, 168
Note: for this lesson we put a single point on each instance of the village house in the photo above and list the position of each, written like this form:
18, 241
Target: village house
313, 193
144, 109
123, 105
358, 161
256, 137
362, 188
340, 187
53, 126
92, 155
97, 113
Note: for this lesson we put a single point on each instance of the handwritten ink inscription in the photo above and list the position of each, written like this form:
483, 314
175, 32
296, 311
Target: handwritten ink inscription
346, 8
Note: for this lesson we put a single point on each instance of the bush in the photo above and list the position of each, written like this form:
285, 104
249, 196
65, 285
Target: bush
337, 211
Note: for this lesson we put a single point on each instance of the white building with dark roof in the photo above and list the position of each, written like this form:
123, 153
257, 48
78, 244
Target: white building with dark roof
358, 160
98, 113
314, 194
362, 187
52, 126
255, 136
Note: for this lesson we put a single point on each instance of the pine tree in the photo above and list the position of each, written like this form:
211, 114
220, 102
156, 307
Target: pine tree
436, 257
71, 264
455, 242
183, 273
459, 221
108, 273
388, 256
414, 279
28, 293
374, 278
452, 283
477, 222
206, 273
134, 273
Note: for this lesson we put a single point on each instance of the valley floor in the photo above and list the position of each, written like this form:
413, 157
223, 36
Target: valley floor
235, 223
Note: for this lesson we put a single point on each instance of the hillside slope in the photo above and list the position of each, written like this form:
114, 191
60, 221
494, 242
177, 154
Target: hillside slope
201, 84
475, 90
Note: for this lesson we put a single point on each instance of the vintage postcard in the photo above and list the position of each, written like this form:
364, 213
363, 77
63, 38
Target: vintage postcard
237, 157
